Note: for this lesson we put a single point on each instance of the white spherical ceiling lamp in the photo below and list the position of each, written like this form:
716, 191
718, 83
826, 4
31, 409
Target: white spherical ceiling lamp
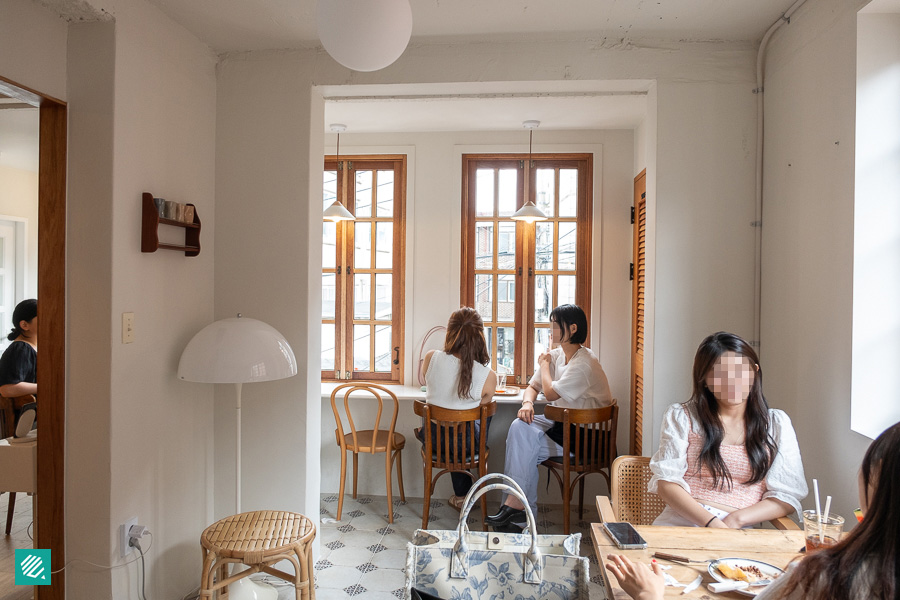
364, 35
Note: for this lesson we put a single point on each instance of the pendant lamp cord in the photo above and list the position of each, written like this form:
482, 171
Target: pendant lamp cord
530, 136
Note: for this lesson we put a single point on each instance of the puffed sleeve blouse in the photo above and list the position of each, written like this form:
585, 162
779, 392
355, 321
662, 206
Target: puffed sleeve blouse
785, 480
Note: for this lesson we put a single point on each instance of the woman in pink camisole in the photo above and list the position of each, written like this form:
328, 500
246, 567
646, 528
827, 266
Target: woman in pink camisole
725, 459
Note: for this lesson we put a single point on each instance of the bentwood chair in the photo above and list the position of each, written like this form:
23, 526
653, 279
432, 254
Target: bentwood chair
589, 435
368, 441
9, 407
630, 501
449, 450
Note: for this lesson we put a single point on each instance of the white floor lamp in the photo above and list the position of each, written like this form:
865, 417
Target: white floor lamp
238, 350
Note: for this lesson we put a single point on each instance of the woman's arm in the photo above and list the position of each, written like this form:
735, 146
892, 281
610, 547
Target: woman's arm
490, 386
677, 498
785, 480
764, 510
14, 390
426, 362
526, 413
544, 361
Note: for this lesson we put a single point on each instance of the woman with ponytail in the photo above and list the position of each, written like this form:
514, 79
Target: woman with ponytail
18, 365
459, 377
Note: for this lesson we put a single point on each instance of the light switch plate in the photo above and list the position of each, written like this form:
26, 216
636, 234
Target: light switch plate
127, 327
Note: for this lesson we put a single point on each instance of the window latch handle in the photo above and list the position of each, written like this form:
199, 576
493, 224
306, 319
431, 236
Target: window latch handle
396, 355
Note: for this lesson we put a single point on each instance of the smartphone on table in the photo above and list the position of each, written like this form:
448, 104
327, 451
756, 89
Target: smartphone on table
625, 536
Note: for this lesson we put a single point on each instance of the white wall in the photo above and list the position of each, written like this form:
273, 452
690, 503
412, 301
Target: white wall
876, 223
702, 200
808, 239
18, 198
33, 43
164, 139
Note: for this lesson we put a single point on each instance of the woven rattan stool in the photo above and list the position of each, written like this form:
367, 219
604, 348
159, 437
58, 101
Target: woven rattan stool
258, 539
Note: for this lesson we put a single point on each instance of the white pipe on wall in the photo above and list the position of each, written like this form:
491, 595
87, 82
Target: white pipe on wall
758, 219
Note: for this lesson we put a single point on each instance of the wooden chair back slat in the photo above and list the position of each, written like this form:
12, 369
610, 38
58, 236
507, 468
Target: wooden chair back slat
457, 431
589, 435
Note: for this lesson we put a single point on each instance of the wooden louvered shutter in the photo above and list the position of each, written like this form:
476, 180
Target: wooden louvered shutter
637, 313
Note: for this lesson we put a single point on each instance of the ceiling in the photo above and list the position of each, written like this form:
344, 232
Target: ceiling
239, 25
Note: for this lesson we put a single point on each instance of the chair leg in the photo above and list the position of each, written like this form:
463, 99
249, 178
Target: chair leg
387, 474
208, 574
428, 487
355, 471
400, 474
10, 511
343, 483
581, 498
567, 503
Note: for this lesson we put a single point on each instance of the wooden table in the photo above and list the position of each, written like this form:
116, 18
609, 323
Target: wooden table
775, 547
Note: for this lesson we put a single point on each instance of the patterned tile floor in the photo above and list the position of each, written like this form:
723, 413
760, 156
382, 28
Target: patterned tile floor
363, 557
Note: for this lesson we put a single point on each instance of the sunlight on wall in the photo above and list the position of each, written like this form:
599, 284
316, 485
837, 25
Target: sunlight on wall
875, 390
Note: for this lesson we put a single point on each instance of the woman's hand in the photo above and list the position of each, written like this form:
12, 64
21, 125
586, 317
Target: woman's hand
636, 579
733, 520
718, 523
544, 359
526, 413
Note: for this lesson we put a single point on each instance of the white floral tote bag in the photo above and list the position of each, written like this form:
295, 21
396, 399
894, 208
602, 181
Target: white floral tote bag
479, 565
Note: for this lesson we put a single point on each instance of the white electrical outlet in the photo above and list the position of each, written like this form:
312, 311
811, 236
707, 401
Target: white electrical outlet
123, 535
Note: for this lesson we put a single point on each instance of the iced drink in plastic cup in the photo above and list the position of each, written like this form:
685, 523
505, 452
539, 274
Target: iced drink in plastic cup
821, 533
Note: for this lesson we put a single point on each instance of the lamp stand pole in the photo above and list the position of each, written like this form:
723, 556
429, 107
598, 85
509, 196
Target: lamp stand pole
245, 589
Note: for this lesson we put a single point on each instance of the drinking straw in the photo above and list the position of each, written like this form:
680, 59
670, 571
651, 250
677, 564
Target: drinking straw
822, 523
818, 505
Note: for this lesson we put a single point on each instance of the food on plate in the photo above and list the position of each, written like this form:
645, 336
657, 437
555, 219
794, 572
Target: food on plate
748, 573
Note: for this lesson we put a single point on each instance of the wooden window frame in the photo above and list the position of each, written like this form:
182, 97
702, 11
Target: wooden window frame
524, 270
345, 270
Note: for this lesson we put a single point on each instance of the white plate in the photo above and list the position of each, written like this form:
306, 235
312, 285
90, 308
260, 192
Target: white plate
768, 571
509, 392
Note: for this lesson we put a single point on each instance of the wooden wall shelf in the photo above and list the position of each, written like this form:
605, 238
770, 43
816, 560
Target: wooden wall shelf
150, 222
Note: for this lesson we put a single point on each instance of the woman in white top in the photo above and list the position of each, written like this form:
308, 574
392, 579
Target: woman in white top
865, 564
459, 378
725, 459
569, 376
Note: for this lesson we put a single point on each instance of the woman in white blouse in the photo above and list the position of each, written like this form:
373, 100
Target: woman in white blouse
725, 459
459, 378
569, 376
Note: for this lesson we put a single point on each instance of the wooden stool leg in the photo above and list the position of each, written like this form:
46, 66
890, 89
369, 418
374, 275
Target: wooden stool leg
343, 482
223, 575
207, 574
10, 511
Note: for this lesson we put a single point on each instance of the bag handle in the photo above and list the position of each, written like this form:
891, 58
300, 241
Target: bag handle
459, 558
431, 331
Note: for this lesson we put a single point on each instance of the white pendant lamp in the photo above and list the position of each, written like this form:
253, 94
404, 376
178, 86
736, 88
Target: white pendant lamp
367, 35
337, 212
529, 212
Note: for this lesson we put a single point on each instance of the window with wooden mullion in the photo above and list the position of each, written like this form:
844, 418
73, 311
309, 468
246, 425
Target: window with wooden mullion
369, 314
552, 258
559, 256
491, 247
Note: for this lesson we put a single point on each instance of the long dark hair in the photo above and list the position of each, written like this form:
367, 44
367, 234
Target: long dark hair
872, 549
26, 310
761, 447
465, 340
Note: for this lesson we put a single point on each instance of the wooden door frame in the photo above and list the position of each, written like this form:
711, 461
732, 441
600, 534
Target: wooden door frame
49, 524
